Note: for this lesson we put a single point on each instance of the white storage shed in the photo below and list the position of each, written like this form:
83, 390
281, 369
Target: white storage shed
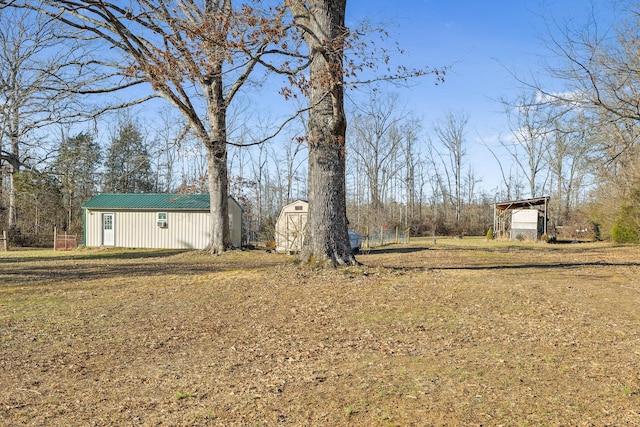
167, 221
290, 226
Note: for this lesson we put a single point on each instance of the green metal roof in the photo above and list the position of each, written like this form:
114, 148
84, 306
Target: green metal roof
149, 201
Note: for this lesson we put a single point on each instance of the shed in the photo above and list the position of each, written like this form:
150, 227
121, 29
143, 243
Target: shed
527, 218
527, 224
290, 226
167, 221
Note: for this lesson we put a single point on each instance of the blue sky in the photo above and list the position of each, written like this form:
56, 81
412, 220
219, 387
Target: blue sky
482, 41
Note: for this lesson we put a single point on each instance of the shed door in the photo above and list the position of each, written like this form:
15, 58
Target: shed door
107, 229
295, 231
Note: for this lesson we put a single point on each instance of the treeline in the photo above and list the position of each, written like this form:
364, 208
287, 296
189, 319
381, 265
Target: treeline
578, 145
402, 173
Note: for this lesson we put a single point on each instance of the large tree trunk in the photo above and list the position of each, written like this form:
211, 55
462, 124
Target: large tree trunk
217, 166
218, 192
326, 240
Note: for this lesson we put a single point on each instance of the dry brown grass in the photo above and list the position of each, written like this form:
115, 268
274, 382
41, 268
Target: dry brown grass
453, 333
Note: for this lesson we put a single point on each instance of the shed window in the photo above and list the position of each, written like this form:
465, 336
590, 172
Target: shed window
162, 219
298, 208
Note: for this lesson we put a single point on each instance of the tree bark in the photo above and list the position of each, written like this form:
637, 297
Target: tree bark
326, 239
220, 239
217, 165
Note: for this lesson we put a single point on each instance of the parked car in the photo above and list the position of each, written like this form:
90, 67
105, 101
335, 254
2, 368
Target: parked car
354, 241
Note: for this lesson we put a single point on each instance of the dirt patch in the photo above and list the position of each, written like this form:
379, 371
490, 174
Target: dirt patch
453, 333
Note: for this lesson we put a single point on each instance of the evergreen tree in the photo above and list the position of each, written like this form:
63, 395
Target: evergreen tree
128, 167
77, 169
39, 207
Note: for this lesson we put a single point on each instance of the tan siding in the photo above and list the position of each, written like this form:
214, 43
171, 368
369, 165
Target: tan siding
138, 229
290, 226
93, 228
189, 229
235, 214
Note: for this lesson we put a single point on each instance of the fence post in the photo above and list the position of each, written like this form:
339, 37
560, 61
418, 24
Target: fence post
5, 242
55, 238
367, 244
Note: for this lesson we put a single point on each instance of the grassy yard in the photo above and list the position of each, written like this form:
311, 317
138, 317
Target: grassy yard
452, 332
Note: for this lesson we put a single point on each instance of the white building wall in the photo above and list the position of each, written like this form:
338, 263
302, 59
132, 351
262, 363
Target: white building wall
525, 219
290, 226
524, 224
235, 223
139, 229
93, 228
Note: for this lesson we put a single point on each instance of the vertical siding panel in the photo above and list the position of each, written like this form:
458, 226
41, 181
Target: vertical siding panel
180, 238
120, 224
175, 228
199, 229
235, 212
154, 236
185, 237
164, 236
204, 229
93, 228
138, 229
117, 226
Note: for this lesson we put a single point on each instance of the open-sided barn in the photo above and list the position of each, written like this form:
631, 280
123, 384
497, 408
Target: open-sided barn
526, 219
167, 221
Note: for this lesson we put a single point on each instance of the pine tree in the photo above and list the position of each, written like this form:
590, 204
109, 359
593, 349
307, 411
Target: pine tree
128, 167
77, 170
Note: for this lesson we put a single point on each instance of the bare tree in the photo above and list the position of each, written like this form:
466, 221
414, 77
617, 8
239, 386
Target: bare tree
322, 25
451, 133
324, 32
166, 147
375, 141
598, 71
530, 121
410, 131
36, 73
294, 162
196, 55
600, 66
568, 156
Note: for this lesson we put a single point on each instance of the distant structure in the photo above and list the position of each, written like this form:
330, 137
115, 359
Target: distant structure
290, 226
525, 219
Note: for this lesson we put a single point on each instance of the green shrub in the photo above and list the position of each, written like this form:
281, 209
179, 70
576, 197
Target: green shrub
626, 229
490, 233
622, 233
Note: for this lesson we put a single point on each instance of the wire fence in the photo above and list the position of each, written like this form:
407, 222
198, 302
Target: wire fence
64, 242
57, 241
4, 242
382, 236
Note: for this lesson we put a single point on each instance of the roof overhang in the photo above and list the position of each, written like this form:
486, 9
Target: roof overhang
524, 203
